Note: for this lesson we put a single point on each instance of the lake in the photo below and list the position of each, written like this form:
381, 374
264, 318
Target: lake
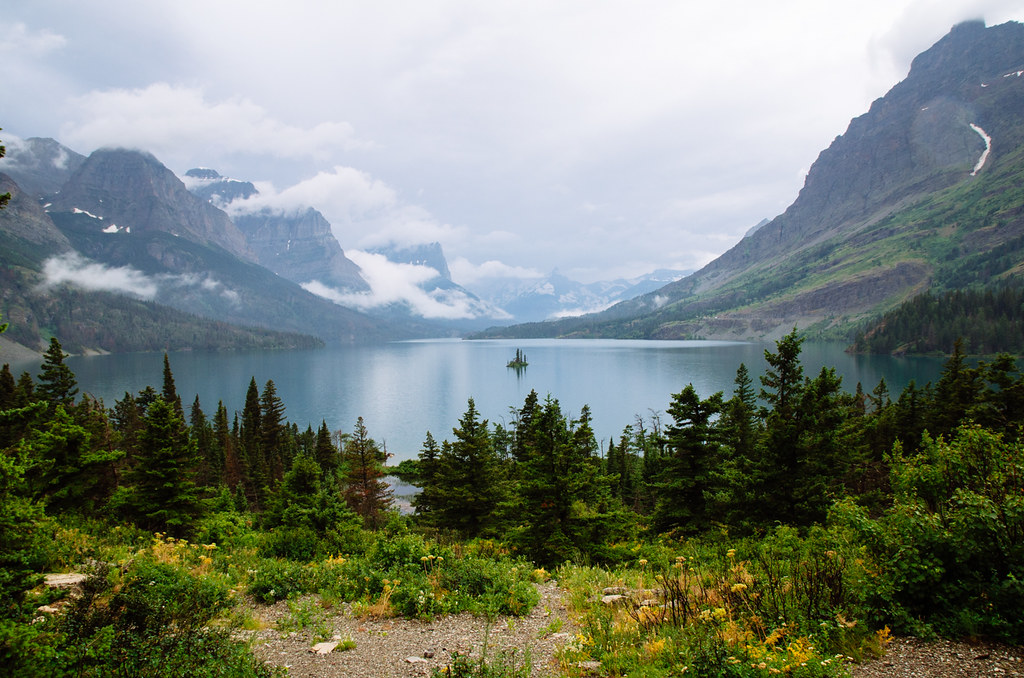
404, 389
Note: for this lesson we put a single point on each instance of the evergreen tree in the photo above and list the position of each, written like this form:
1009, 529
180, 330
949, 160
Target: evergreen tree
210, 454
366, 491
233, 471
70, 472
57, 383
274, 438
24, 390
7, 388
782, 384
471, 486
428, 473
250, 437
325, 453
162, 493
738, 477
693, 447
170, 392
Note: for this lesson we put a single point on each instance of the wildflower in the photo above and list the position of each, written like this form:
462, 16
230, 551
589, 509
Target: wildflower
643, 562
731, 553
737, 588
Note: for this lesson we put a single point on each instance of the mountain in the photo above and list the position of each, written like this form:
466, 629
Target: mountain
125, 223
40, 166
556, 296
298, 246
37, 306
925, 191
430, 255
133, 191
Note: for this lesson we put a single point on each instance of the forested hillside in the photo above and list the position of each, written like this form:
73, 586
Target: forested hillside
778, 526
988, 321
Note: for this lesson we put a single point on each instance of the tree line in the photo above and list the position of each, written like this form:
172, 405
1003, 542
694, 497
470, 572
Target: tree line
782, 453
988, 321
150, 460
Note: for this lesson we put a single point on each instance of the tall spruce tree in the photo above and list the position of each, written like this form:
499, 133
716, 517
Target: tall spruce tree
366, 491
57, 383
471, 485
162, 490
693, 452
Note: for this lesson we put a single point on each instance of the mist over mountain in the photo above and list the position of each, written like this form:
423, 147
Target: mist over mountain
924, 191
40, 167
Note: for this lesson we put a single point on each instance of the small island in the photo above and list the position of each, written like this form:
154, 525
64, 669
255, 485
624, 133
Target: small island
519, 362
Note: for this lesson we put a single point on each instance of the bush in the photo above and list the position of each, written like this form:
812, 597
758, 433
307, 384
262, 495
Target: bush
950, 550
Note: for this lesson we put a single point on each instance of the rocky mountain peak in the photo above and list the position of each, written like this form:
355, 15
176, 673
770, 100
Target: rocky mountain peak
134, 190
209, 185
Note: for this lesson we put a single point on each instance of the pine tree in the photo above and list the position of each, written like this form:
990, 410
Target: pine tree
428, 472
693, 446
471, 486
163, 494
57, 383
366, 491
325, 453
250, 437
170, 392
273, 438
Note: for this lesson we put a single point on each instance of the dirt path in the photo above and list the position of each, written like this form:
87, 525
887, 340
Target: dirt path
386, 648
401, 648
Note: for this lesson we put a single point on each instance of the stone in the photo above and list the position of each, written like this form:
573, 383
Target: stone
324, 648
71, 580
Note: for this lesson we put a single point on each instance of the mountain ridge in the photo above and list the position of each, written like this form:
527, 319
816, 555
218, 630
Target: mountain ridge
828, 261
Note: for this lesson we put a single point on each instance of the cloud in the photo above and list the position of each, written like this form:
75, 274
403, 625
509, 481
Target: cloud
74, 269
467, 273
158, 117
18, 39
343, 194
363, 211
399, 284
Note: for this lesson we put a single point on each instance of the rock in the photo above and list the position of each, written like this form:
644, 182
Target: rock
324, 648
612, 599
71, 580
429, 654
416, 660
615, 591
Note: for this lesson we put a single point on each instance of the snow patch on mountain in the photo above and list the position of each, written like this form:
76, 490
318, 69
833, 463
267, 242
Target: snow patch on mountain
984, 154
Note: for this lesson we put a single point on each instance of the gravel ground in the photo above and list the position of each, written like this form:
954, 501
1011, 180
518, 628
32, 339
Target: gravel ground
386, 648
401, 648
913, 658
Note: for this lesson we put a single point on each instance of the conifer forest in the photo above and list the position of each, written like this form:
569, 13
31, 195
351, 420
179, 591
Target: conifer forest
788, 526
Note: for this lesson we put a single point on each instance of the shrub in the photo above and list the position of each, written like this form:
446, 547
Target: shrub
950, 550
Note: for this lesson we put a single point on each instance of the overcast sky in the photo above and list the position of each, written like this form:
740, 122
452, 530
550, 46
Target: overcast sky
603, 139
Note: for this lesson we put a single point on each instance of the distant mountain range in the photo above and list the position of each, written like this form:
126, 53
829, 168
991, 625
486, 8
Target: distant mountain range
923, 192
152, 261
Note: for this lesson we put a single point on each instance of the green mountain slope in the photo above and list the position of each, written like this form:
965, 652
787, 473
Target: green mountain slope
898, 205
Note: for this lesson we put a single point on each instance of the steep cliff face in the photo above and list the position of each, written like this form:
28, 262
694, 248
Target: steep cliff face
297, 245
133, 190
924, 191
24, 220
301, 248
921, 137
